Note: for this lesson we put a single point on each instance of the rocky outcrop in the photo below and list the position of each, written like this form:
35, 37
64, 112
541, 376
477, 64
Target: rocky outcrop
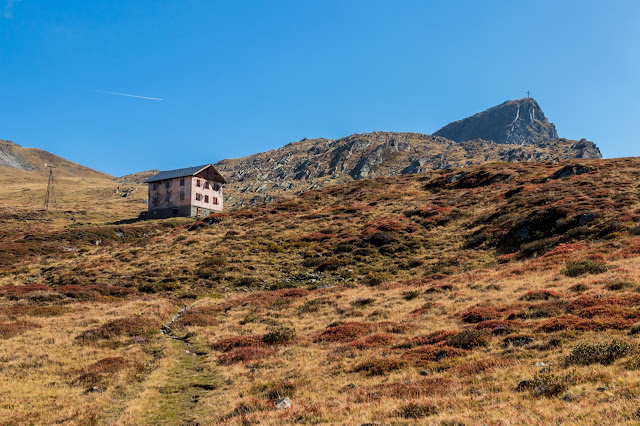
518, 122
10, 157
315, 163
586, 149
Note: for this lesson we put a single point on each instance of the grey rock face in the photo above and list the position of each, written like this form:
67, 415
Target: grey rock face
9, 158
587, 149
517, 122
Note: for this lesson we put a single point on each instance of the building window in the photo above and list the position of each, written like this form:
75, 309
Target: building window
197, 182
181, 195
155, 186
167, 197
206, 198
182, 182
216, 187
214, 200
174, 212
167, 184
206, 185
198, 197
155, 201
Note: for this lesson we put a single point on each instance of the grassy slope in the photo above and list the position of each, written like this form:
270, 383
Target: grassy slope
439, 289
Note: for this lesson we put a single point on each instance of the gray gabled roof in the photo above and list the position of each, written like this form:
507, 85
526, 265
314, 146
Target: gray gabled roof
172, 174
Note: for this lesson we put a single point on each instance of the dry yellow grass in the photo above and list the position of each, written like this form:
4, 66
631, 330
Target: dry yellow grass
376, 267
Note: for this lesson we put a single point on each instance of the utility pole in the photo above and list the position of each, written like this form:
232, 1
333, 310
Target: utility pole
50, 198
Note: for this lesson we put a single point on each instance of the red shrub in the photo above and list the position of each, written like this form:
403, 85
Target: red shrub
439, 288
316, 236
572, 322
609, 312
97, 374
110, 365
135, 326
394, 327
429, 353
487, 313
498, 327
78, 292
345, 332
373, 341
34, 310
292, 293
11, 329
432, 338
589, 301
389, 223
425, 309
565, 249
112, 290
269, 298
17, 291
200, 316
245, 354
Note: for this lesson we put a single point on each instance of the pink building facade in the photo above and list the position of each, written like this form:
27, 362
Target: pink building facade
190, 192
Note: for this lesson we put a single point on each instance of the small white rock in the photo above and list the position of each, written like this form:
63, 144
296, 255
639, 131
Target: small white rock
282, 404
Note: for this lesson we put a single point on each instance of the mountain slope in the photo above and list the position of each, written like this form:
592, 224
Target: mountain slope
315, 163
496, 294
518, 122
13, 156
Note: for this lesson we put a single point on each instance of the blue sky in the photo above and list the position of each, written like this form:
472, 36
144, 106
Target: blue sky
240, 77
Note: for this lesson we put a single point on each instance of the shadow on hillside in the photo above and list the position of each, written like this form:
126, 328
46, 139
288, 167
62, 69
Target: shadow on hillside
129, 221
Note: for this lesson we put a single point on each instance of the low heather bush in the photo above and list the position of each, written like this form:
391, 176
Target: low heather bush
378, 367
468, 339
416, 411
11, 329
599, 353
279, 335
583, 267
547, 385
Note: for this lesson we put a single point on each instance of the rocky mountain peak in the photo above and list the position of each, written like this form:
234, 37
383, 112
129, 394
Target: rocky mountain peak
518, 122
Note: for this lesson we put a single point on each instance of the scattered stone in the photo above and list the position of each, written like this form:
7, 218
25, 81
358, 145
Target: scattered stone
521, 341
282, 404
541, 364
586, 218
348, 387
571, 170
570, 397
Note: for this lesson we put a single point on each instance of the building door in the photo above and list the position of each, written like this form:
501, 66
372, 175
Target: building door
199, 211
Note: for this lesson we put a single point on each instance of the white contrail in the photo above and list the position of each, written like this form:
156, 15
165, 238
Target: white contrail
131, 96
